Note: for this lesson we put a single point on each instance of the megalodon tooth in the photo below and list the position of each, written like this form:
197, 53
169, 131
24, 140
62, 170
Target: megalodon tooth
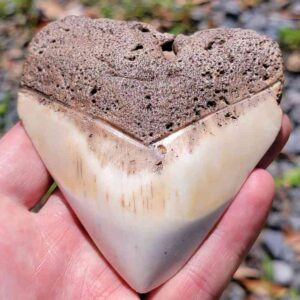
149, 135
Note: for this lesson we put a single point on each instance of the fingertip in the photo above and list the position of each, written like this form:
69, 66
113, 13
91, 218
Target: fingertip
261, 177
286, 123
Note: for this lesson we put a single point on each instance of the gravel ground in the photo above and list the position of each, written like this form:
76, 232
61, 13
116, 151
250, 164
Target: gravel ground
276, 253
272, 269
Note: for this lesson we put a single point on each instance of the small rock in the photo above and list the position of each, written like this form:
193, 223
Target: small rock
295, 205
11, 117
276, 220
293, 144
292, 62
294, 194
294, 222
274, 23
198, 14
15, 54
293, 81
229, 23
232, 8
273, 168
278, 204
234, 292
290, 98
284, 166
218, 18
295, 114
296, 281
254, 21
283, 273
295, 8
273, 240
274, 243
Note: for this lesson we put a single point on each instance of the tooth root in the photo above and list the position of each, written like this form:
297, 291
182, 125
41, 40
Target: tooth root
149, 208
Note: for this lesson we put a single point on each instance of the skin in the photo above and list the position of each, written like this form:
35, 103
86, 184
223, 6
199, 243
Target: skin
48, 255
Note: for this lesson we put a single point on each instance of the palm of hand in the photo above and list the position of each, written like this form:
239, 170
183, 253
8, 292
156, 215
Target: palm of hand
49, 256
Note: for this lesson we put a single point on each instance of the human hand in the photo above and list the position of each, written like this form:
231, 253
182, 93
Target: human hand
48, 255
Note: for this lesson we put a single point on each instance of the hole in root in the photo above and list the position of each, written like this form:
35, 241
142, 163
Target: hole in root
167, 46
169, 125
143, 29
138, 47
93, 91
168, 50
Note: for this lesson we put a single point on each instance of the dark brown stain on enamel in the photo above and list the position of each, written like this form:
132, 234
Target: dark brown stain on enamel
145, 83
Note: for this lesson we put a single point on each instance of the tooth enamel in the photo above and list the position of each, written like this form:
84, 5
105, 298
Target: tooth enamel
149, 207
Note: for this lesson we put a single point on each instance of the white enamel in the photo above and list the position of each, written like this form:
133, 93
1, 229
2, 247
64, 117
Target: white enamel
148, 223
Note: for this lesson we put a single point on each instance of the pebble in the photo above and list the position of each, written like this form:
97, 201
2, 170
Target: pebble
232, 8
15, 54
294, 221
254, 21
295, 114
234, 292
294, 193
296, 281
278, 204
277, 220
292, 62
292, 81
273, 168
198, 14
295, 8
274, 243
293, 144
10, 119
292, 96
283, 273
229, 23
284, 166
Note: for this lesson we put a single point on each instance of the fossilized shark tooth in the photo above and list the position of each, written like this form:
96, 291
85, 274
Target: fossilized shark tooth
149, 136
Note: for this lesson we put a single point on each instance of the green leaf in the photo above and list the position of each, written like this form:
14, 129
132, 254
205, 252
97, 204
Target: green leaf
3, 108
294, 294
4, 102
289, 38
292, 178
177, 28
45, 198
267, 267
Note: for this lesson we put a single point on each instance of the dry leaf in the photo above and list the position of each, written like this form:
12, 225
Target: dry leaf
292, 239
246, 272
248, 3
264, 288
55, 10
194, 2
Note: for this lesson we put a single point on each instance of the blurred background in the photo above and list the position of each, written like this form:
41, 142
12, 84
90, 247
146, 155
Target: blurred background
272, 269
